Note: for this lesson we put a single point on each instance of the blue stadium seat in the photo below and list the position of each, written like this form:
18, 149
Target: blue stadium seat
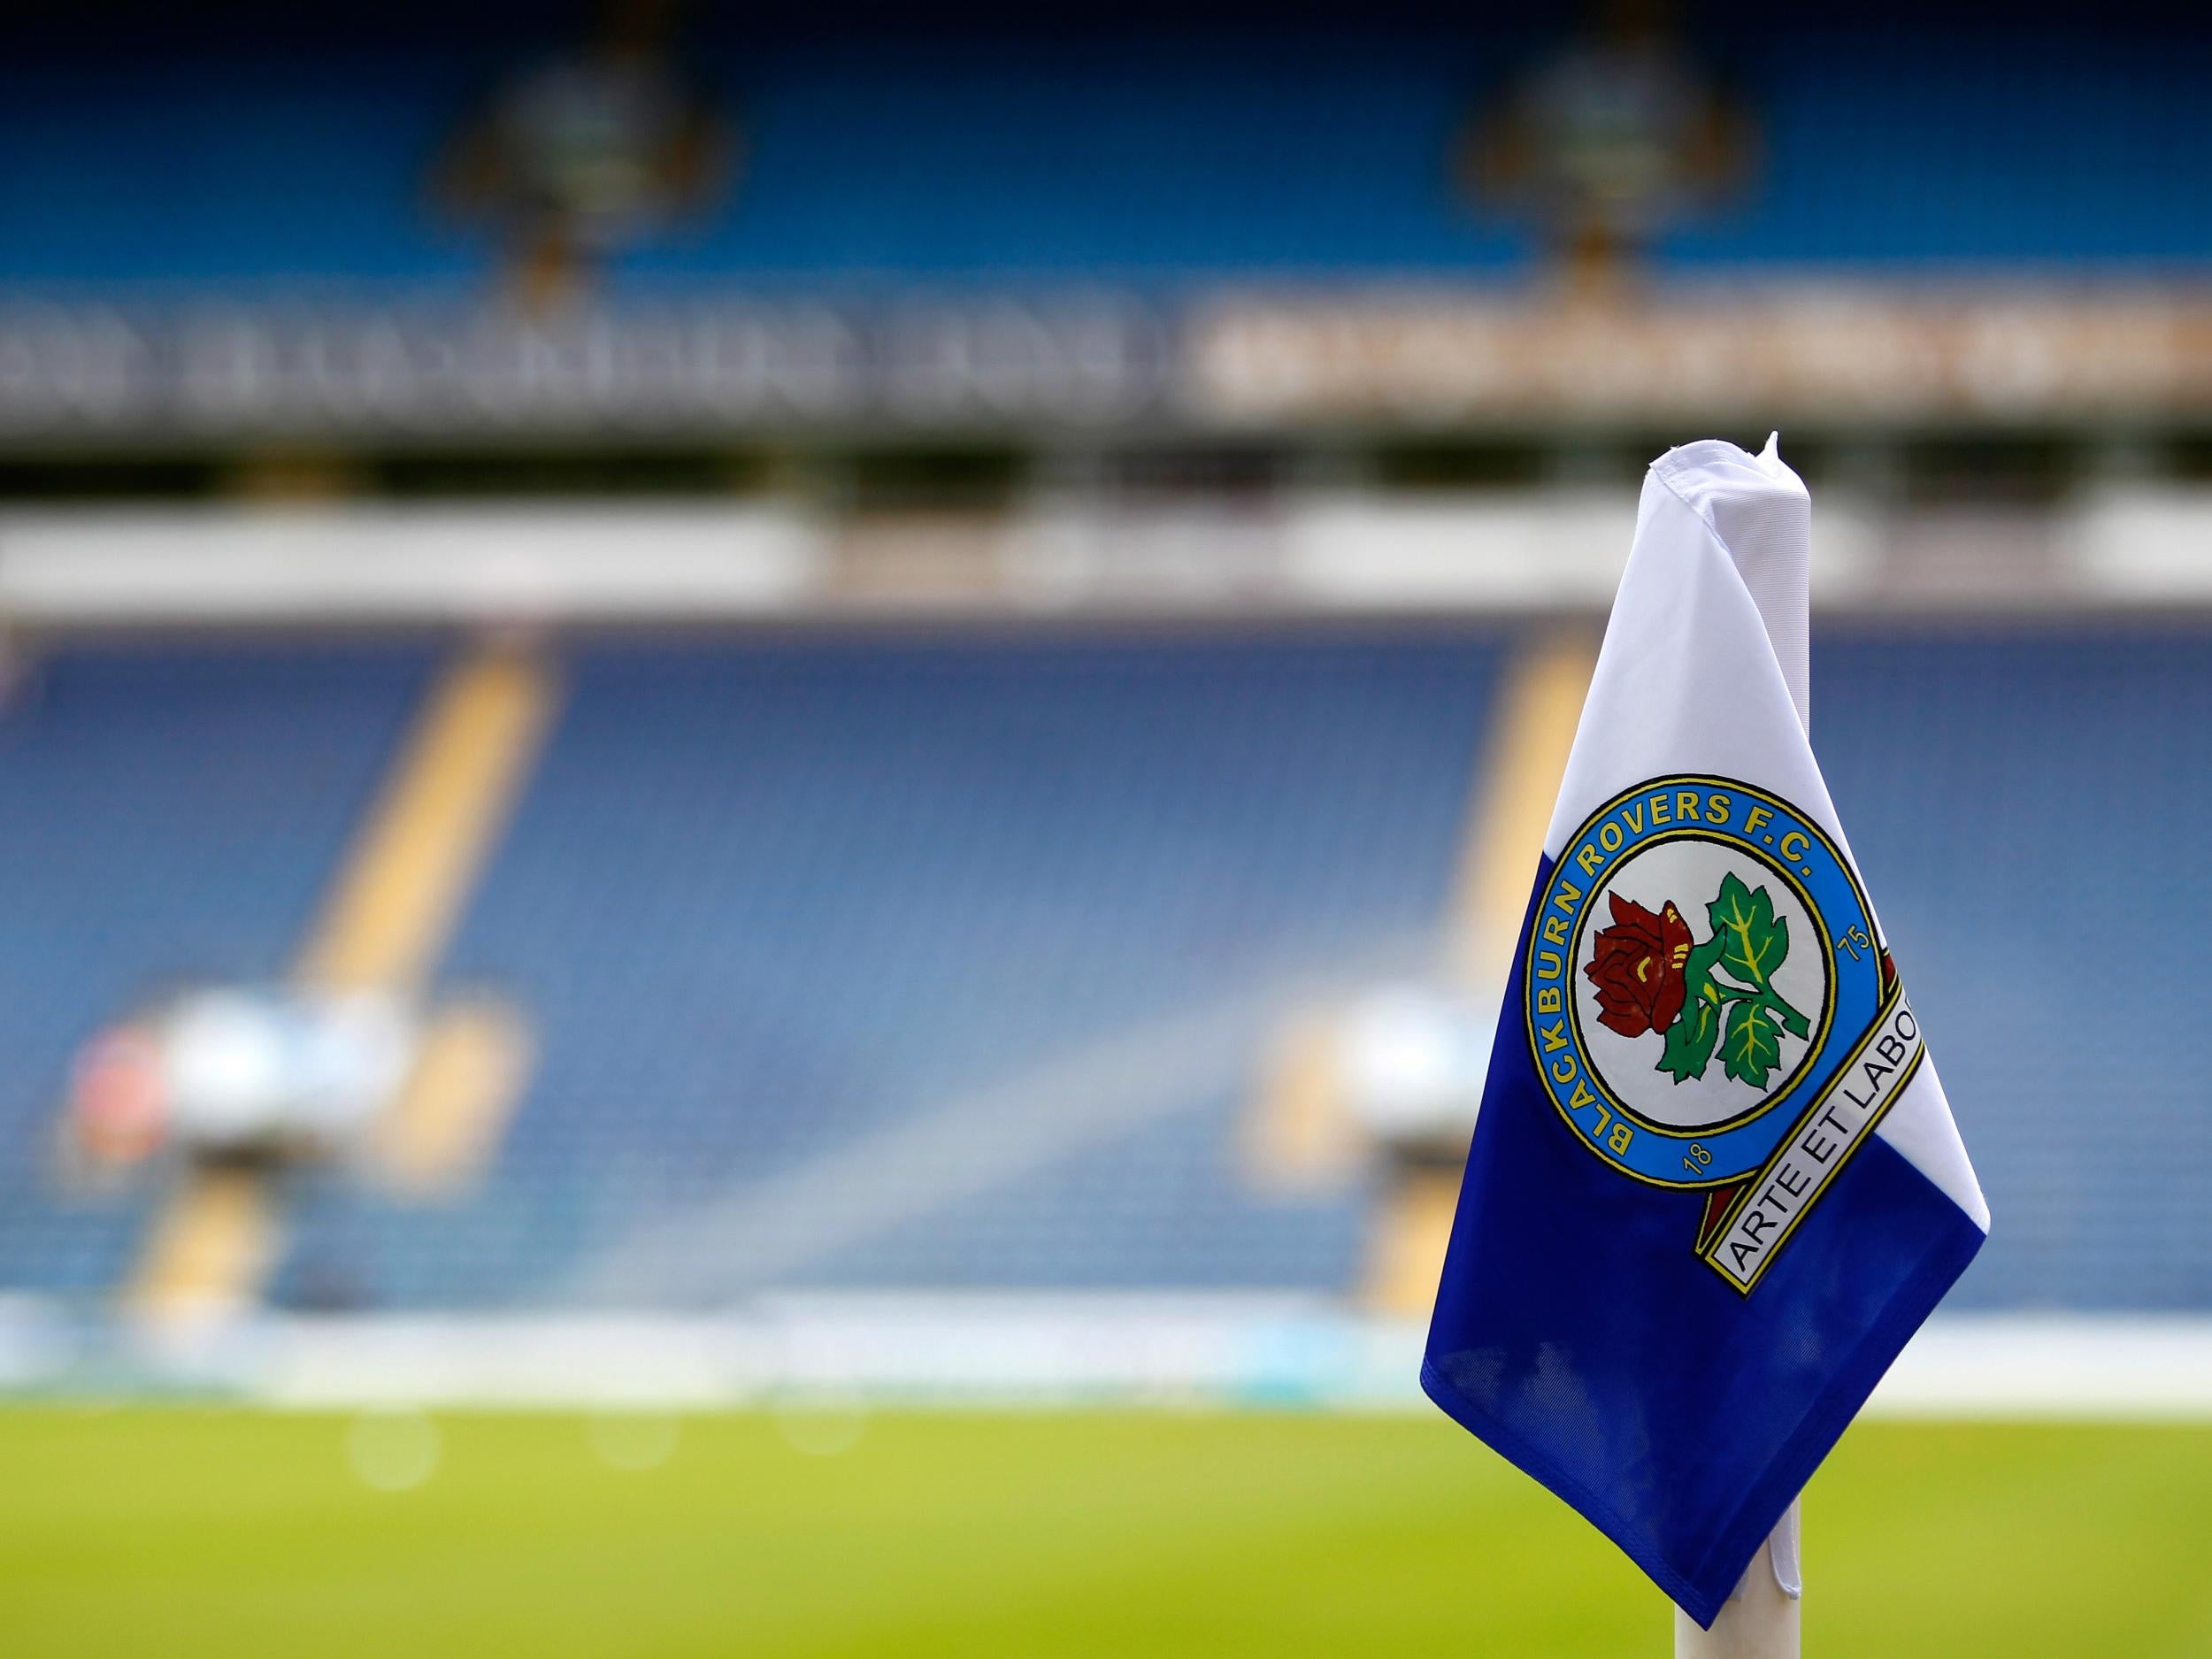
165, 813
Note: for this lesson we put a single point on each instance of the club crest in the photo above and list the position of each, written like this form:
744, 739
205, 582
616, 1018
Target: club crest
1710, 1007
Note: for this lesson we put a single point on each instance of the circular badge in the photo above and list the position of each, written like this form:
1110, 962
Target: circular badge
1694, 954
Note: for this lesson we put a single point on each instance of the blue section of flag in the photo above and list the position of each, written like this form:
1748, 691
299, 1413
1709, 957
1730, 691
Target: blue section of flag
1577, 1332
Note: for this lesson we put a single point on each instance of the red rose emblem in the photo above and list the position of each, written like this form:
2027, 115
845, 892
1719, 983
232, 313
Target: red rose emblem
1637, 968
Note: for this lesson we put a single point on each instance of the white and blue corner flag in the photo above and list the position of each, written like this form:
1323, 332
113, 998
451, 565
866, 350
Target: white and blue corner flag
1715, 1185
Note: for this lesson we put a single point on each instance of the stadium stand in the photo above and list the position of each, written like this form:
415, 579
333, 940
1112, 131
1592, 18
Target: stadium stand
960, 160
847, 889
855, 890
166, 812
2033, 916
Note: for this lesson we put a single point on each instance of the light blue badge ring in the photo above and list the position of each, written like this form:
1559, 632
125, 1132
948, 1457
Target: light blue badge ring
1778, 837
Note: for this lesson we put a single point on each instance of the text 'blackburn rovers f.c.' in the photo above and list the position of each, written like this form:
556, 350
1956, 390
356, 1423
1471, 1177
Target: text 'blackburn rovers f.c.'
1711, 1006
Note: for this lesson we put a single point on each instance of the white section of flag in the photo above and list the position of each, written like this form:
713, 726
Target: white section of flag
1703, 672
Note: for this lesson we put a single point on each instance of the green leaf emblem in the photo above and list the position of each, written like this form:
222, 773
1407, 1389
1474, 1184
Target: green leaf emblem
1730, 1003
1754, 942
1752, 1047
1690, 1039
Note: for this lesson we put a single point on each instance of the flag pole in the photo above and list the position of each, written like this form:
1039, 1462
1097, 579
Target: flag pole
1759, 1621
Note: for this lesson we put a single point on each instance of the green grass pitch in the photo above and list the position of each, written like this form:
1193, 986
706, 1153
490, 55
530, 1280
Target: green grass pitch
186, 1532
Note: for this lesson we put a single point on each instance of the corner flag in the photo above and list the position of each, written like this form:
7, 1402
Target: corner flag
1715, 1185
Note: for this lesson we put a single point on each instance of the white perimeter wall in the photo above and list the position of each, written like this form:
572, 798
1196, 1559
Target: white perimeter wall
975, 1352
2118, 546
